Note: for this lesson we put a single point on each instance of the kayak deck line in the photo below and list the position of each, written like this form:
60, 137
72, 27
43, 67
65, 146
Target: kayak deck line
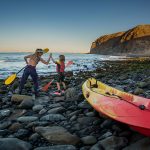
106, 90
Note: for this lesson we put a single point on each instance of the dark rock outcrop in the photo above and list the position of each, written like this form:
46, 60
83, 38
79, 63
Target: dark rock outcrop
135, 41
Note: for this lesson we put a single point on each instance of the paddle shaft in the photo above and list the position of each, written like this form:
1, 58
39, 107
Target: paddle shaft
20, 70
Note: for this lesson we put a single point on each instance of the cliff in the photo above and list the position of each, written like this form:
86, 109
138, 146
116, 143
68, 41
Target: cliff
135, 41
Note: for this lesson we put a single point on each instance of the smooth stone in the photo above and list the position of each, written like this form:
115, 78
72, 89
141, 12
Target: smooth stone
89, 140
57, 147
5, 112
138, 91
57, 135
106, 123
14, 144
90, 114
34, 137
56, 110
54, 105
37, 108
15, 127
19, 98
5, 125
21, 133
43, 111
113, 142
70, 93
86, 120
143, 144
53, 117
26, 104
26, 119
84, 105
105, 135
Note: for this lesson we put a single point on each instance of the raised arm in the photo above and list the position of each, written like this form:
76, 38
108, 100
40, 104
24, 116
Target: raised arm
45, 62
26, 58
53, 60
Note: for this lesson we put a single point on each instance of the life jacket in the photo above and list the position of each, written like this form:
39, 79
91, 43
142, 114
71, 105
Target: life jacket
60, 66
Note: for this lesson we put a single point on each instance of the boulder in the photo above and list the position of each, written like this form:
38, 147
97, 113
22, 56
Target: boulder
26, 104
19, 98
70, 93
14, 144
57, 135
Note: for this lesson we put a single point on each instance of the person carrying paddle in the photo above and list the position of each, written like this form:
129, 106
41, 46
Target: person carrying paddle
60, 68
32, 61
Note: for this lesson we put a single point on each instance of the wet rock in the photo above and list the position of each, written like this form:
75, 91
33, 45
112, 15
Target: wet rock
21, 133
143, 144
26, 119
57, 135
113, 142
5, 112
138, 91
37, 108
70, 93
34, 137
14, 144
59, 99
19, 98
5, 125
53, 117
26, 104
43, 111
89, 140
84, 105
142, 84
106, 123
105, 135
86, 120
57, 147
56, 110
90, 114
15, 127
97, 146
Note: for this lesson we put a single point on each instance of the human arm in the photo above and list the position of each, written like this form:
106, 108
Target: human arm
53, 59
45, 62
26, 58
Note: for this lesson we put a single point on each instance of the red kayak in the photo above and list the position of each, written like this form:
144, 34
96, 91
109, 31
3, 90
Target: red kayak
124, 107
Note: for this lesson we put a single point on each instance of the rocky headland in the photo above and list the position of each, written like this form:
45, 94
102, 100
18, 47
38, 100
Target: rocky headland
135, 41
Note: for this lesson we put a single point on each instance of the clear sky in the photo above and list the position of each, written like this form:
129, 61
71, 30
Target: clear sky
66, 25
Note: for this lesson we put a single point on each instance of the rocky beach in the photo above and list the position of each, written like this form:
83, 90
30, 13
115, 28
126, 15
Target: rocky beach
68, 122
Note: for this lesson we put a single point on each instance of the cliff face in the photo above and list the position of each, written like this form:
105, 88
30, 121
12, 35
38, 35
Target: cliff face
135, 41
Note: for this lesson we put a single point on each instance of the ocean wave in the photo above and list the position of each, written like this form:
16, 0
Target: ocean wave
2, 61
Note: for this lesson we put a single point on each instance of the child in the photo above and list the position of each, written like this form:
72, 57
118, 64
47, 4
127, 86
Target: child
32, 61
60, 68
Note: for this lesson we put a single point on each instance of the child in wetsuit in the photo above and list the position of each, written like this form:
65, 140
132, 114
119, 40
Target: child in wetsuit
32, 61
60, 68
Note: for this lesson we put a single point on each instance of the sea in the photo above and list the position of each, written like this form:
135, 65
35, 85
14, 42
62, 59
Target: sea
13, 62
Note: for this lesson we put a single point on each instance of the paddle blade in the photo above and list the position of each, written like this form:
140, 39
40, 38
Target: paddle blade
69, 63
10, 79
45, 88
46, 50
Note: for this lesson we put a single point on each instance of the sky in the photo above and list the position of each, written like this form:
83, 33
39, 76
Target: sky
65, 25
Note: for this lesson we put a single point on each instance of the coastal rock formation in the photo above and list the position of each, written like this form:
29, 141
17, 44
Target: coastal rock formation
135, 41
